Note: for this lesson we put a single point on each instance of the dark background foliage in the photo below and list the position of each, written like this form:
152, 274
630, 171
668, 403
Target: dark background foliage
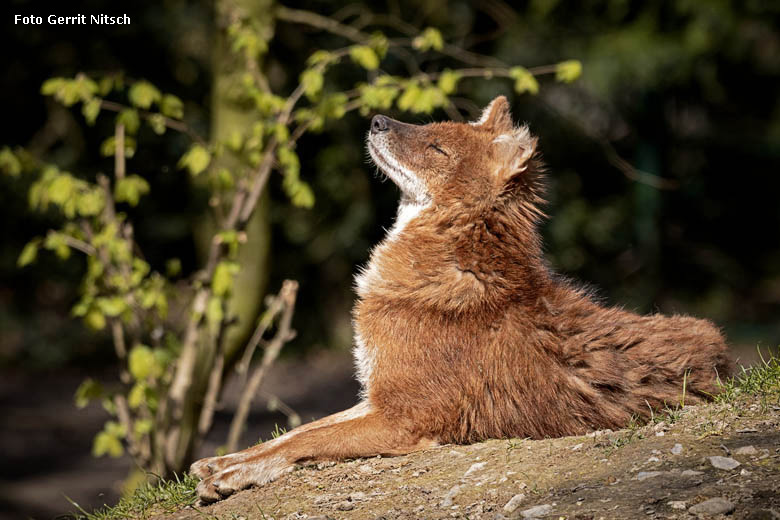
685, 91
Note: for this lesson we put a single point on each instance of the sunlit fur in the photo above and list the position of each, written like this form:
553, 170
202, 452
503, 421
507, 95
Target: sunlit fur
462, 331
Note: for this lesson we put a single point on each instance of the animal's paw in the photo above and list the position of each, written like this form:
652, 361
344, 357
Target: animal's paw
206, 467
223, 476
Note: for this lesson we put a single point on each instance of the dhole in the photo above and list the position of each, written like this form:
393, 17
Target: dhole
463, 333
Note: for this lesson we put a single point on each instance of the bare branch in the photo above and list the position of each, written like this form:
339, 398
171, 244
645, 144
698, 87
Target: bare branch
214, 383
173, 124
268, 318
261, 176
118, 336
125, 419
79, 245
119, 151
320, 22
284, 334
286, 409
625, 167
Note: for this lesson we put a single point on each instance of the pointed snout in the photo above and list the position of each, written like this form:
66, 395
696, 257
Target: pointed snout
379, 124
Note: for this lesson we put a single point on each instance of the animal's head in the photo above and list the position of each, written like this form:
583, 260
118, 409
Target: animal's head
487, 162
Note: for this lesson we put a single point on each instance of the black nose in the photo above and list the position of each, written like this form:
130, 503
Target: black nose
379, 124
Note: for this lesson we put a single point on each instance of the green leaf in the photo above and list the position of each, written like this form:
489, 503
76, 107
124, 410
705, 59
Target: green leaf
112, 306
173, 267
222, 283
364, 56
91, 202
378, 96
107, 444
29, 253
223, 179
107, 83
448, 81
129, 117
142, 427
95, 319
91, 109
9, 162
70, 91
196, 159
108, 405
142, 94
137, 395
289, 161
568, 71
140, 270
409, 97
430, 38
61, 189
319, 57
130, 189
379, 43
172, 106
108, 147
423, 100
214, 312
52, 85
142, 363
56, 242
302, 196
312, 81
157, 122
524, 80
89, 389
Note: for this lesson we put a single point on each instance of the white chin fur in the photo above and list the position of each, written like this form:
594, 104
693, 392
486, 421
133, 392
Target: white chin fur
410, 184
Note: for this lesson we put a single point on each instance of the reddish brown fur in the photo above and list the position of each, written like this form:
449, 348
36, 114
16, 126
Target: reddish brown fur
467, 333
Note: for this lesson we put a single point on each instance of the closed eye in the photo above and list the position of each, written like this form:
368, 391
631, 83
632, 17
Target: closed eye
435, 147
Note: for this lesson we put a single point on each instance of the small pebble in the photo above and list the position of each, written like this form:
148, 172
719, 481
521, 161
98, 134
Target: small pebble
514, 503
576, 447
713, 506
677, 449
677, 504
345, 506
653, 459
724, 462
474, 468
452, 493
746, 450
642, 475
690, 473
536, 511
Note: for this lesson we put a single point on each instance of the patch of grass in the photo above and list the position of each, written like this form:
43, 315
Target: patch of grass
633, 432
162, 496
278, 432
761, 380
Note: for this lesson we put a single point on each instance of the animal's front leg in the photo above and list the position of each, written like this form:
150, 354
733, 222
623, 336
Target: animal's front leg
357, 432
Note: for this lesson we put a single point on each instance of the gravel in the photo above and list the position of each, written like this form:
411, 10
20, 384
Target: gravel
514, 503
713, 506
535, 511
724, 462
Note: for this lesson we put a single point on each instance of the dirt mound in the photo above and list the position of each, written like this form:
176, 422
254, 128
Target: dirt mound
695, 462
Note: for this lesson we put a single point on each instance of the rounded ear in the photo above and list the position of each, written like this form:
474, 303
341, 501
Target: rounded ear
513, 150
496, 116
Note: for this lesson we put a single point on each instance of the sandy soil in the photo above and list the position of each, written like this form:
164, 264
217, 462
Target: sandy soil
661, 470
